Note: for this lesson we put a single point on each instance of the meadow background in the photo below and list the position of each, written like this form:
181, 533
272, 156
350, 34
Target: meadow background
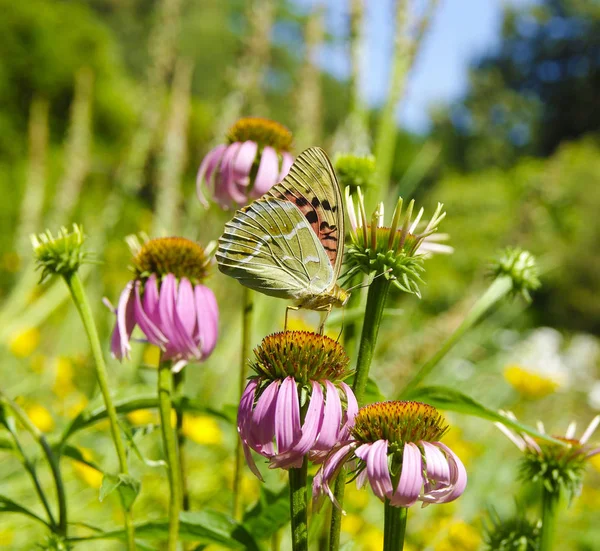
107, 109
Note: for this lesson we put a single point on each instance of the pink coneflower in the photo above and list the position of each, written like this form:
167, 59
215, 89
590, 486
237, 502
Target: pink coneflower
255, 158
558, 467
168, 303
395, 447
297, 372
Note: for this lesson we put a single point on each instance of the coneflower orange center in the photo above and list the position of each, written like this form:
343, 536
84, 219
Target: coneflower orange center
398, 423
301, 354
171, 255
262, 131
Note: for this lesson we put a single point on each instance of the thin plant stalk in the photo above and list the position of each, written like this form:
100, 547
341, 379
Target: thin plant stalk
185, 494
376, 298
51, 457
394, 527
550, 503
30, 468
81, 302
247, 319
298, 507
499, 288
165, 405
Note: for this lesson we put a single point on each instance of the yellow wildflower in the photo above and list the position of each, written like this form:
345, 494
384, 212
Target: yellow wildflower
40, 417
461, 537
202, 429
529, 384
63, 382
141, 417
352, 524
371, 539
24, 343
89, 475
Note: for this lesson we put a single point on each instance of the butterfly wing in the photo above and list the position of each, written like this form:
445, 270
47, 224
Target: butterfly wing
270, 246
312, 186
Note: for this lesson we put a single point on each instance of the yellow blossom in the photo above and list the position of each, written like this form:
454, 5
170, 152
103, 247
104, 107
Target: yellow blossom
352, 524
24, 343
202, 429
63, 382
528, 384
151, 355
460, 537
40, 417
89, 475
141, 417
371, 539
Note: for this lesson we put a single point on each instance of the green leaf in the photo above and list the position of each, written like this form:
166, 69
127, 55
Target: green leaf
110, 482
7, 505
89, 417
372, 393
128, 488
130, 436
453, 400
75, 453
270, 513
202, 527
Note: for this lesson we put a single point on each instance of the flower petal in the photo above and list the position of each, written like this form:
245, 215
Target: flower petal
152, 332
268, 172
287, 416
205, 172
411, 478
263, 421
458, 474
332, 417
329, 470
244, 416
313, 421
378, 470
207, 311
125, 323
438, 471
351, 411
225, 177
287, 160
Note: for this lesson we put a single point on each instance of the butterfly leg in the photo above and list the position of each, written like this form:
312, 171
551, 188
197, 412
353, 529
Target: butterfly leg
324, 315
287, 309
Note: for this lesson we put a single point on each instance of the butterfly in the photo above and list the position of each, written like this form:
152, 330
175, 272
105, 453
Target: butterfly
289, 243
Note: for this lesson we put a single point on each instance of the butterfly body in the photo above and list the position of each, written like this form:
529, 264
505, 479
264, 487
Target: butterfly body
286, 243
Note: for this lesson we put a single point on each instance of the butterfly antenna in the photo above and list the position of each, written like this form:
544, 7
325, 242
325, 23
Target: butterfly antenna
363, 285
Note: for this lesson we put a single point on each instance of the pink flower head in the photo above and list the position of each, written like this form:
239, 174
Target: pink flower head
394, 446
254, 160
292, 365
174, 314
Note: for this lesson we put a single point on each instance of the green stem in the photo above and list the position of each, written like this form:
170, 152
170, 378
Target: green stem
30, 468
165, 386
177, 383
394, 527
247, 317
378, 291
499, 288
549, 506
52, 459
298, 507
376, 297
80, 299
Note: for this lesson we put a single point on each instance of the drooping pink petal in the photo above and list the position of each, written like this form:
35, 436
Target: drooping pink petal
268, 172
438, 471
242, 164
225, 176
458, 474
287, 416
378, 470
263, 421
313, 421
351, 411
125, 323
150, 300
332, 417
329, 470
186, 306
207, 311
244, 416
411, 478
205, 172
149, 328
250, 462
286, 163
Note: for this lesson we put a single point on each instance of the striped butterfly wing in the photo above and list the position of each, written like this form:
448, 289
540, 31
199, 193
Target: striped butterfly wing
312, 186
270, 246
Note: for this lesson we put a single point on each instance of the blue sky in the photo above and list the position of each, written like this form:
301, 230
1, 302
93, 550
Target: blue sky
461, 31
